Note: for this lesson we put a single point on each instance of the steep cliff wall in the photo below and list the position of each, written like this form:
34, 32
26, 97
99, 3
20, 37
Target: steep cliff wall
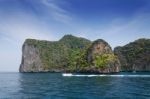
31, 61
134, 56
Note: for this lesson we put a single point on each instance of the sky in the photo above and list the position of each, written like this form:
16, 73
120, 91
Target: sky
116, 21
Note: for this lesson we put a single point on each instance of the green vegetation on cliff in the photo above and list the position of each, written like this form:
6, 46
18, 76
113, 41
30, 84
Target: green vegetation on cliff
60, 54
103, 60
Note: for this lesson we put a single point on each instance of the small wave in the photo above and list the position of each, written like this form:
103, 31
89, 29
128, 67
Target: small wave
102, 75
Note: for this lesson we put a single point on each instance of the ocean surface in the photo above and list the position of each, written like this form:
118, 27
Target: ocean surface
74, 86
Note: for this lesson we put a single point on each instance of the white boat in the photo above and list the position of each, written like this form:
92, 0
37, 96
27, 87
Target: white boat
67, 74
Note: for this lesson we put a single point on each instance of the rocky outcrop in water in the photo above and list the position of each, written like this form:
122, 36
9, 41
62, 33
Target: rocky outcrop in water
134, 56
102, 58
69, 54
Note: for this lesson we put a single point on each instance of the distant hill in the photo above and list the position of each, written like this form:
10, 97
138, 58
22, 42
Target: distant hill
134, 56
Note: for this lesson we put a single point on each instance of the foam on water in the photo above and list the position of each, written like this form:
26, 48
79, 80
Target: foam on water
102, 75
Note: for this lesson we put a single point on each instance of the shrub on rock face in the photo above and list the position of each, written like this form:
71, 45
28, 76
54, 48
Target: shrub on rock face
102, 61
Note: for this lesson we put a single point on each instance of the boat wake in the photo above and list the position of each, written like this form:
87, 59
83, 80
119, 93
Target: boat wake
102, 75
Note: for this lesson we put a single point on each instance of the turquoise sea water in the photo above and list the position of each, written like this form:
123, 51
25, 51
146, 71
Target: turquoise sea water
57, 86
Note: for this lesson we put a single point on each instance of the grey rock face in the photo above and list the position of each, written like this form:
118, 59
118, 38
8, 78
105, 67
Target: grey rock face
31, 61
98, 47
101, 48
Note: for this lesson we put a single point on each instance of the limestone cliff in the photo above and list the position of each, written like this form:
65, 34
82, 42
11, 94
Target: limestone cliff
102, 58
134, 56
31, 61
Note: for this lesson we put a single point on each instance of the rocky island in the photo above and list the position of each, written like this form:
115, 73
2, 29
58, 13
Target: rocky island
80, 55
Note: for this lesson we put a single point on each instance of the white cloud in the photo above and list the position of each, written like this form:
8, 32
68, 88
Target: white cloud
120, 31
55, 11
